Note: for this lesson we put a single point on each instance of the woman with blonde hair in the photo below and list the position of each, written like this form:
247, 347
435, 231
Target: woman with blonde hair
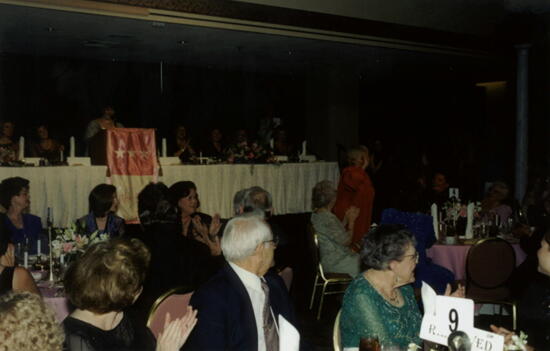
356, 190
26, 323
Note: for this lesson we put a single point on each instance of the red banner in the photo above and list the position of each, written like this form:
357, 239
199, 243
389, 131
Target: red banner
132, 161
131, 151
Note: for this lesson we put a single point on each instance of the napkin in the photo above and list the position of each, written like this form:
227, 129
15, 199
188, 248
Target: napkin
289, 338
436, 223
470, 221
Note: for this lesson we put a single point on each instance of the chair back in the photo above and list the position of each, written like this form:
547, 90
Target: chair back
490, 263
336, 338
287, 274
317, 255
313, 243
175, 302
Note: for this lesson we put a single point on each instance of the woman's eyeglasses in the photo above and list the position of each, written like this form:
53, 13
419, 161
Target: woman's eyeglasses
415, 256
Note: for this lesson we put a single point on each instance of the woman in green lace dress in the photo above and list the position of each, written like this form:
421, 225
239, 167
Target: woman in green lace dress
380, 302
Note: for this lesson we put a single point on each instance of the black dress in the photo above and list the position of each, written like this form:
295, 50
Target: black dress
6, 280
82, 336
534, 313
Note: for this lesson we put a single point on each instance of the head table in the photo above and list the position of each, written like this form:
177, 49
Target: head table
65, 189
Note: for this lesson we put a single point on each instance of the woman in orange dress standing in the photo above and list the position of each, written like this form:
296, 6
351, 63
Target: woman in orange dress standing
355, 189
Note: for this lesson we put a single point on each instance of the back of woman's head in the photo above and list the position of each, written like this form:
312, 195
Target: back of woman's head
108, 276
154, 206
385, 243
322, 194
11, 187
26, 323
101, 199
180, 190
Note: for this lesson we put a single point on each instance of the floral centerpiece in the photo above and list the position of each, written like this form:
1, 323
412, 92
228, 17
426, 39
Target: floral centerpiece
248, 152
455, 216
69, 244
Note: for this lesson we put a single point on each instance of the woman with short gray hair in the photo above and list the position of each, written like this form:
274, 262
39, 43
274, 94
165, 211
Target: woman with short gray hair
334, 236
380, 302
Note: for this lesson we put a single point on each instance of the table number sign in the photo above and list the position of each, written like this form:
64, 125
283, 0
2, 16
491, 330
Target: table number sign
445, 315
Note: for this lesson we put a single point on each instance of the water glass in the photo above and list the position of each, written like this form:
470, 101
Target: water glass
369, 344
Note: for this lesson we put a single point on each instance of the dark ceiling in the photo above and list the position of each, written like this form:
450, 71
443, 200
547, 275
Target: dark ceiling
47, 32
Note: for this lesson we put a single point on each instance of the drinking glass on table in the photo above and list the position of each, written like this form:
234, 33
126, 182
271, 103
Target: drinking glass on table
369, 344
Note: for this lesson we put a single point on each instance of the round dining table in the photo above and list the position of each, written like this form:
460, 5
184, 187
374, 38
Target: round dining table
54, 298
453, 257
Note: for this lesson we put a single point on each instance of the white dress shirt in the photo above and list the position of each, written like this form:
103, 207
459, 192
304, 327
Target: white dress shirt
254, 288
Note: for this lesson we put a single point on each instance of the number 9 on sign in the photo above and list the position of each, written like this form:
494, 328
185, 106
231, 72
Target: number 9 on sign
453, 318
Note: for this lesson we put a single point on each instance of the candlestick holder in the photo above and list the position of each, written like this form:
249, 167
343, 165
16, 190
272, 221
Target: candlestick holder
51, 277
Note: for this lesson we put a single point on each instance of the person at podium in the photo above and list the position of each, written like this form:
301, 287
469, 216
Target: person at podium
106, 121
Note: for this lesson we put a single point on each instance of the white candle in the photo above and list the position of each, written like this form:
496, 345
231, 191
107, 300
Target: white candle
200, 157
38, 247
71, 147
304, 148
60, 155
50, 247
62, 259
21, 148
164, 152
271, 144
26, 259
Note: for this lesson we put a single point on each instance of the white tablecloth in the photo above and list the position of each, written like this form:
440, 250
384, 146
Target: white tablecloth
65, 189
290, 184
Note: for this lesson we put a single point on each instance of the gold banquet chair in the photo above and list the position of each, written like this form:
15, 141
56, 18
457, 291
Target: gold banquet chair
175, 302
336, 337
326, 280
489, 266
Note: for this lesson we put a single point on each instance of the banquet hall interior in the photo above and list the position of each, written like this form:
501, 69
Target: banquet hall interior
430, 88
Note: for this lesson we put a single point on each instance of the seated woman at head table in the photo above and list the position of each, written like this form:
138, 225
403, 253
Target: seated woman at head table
46, 147
9, 150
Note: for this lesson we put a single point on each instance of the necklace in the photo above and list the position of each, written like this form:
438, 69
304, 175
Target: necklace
393, 298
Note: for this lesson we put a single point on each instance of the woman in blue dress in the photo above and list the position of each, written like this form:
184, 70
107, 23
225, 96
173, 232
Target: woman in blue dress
406, 211
103, 204
24, 227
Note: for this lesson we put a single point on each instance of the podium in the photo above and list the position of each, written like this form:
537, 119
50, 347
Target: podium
97, 148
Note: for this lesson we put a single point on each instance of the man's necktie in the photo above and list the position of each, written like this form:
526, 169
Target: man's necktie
270, 331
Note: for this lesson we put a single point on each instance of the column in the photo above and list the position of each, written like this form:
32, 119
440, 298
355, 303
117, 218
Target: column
522, 126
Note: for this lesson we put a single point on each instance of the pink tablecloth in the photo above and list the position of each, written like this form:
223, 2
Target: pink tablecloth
453, 257
59, 304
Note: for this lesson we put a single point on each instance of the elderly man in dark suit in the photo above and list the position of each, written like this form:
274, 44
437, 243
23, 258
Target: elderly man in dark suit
239, 307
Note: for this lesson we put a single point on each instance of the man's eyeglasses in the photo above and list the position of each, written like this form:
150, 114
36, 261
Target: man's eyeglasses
415, 256
274, 241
